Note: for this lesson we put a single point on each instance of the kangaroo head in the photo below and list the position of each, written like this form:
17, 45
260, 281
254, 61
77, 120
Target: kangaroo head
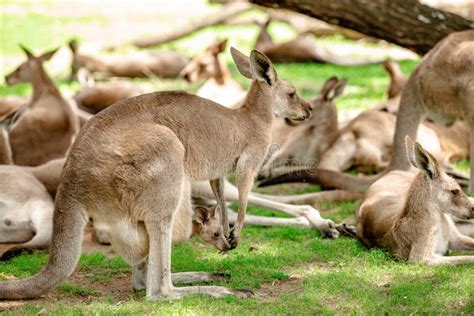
25, 72
207, 224
332, 89
14, 229
206, 65
444, 190
282, 95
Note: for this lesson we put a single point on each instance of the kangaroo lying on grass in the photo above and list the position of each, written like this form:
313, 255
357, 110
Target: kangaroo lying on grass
160, 64
306, 142
94, 97
302, 49
219, 86
49, 124
128, 169
410, 214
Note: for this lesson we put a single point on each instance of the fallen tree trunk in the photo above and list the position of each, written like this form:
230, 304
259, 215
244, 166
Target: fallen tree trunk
227, 11
407, 23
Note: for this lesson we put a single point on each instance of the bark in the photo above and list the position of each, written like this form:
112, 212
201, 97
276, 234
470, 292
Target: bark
225, 13
407, 23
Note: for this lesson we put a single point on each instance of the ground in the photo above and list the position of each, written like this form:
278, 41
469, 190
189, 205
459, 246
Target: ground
291, 270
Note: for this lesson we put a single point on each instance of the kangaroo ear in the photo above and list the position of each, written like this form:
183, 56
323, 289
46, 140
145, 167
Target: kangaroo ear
202, 214
221, 46
333, 88
242, 62
27, 52
47, 56
424, 161
262, 67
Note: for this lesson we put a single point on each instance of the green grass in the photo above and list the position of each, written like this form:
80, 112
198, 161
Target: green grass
307, 274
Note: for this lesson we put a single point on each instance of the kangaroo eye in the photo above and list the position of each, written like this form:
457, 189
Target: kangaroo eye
216, 235
291, 95
455, 192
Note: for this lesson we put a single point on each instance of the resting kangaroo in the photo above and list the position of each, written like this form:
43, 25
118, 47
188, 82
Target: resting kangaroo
410, 214
302, 49
440, 88
161, 64
94, 97
219, 86
49, 124
128, 170
307, 141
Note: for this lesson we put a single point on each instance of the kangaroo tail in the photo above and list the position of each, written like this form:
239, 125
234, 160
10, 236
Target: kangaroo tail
69, 221
328, 179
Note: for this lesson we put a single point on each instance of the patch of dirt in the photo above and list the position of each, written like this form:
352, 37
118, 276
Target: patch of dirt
272, 291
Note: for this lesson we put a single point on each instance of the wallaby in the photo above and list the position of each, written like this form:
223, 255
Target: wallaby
94, 97
410, 214
302, 49
219, 86
424, 95
306, 142
128, 168
49, 124
160, 64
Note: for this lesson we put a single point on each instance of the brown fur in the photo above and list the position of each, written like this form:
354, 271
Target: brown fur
219, 86
162, 64
302, 49
129, 166
49, 124
409, 215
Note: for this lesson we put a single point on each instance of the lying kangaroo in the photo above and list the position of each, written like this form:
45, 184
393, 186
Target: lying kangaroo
160, 64
94, 97
47, 128
409, 215
302, 49
124, 163
307, 141
219, 86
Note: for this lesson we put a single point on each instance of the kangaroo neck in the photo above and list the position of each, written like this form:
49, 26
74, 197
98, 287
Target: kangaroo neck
42, 83
417, 204
258, 104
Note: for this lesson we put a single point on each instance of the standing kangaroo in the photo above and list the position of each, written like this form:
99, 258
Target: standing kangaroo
440, 88
410, 214
219, 86
49, 124
127, 169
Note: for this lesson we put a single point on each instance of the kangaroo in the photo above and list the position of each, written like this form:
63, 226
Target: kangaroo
219, 86
28, 209
94, 97
126, 163
160, 64
424, 95
307, 141
301, 50
49, 124
410, 214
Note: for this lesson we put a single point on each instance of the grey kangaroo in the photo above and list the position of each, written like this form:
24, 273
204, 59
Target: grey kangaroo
128, 168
